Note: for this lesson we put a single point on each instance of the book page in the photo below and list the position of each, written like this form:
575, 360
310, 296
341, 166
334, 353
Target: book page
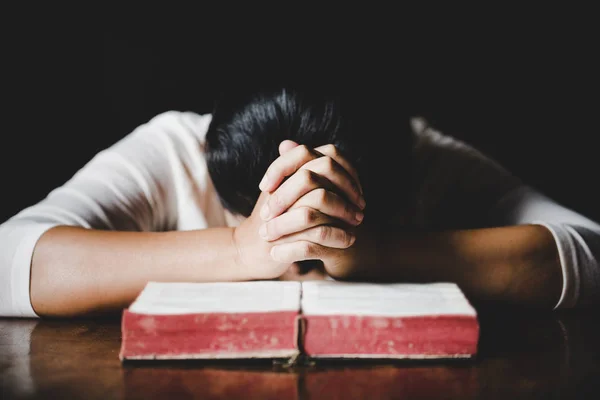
227, 297
394, 300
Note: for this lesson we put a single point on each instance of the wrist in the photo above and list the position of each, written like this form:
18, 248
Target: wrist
237, 252
434, 257
219, 261
242, 251
469, 258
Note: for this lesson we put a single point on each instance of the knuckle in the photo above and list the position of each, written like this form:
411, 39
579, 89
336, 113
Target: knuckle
304, 151
347, 239
330, 149
321, 195
329, 163
308, 215
306, 249
323, 233
308, 176
276, 200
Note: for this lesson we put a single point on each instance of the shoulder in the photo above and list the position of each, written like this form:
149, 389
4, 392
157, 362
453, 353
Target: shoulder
168, 136
455, 184
427, 138
435, 148
175, 123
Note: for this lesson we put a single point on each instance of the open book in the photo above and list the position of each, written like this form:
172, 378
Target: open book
277, 319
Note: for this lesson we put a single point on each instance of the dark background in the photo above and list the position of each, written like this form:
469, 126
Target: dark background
524, 92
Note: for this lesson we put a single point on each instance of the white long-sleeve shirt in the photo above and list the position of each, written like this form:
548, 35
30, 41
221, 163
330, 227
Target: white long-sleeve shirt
156, 179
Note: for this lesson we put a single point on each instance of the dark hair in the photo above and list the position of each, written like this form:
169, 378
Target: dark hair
248, 125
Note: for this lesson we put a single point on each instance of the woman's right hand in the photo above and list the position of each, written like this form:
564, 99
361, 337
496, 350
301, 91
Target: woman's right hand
308, 212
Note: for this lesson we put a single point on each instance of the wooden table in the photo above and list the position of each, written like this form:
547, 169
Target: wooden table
529, 355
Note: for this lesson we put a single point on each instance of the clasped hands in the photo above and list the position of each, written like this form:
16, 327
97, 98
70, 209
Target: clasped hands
311, 207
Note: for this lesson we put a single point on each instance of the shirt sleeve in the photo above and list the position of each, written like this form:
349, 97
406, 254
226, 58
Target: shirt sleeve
135, 185
577, 239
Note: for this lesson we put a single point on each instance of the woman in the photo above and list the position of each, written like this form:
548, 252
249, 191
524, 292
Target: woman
276, 177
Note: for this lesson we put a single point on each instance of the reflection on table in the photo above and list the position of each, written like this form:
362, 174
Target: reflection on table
520, 356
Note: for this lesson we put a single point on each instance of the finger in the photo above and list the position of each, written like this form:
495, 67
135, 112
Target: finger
293, 221
286, 146
299, 251
332, 151
328, 168
331, 204
286, 165
263, 198
291, 191
324, 235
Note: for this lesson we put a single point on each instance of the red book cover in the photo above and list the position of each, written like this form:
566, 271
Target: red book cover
322, 319
368, 320
213, 320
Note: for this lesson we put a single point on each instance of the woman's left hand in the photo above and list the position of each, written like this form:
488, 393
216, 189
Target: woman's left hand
342, 244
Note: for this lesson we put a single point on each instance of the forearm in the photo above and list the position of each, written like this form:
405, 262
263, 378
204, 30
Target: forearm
76, 271
517, 264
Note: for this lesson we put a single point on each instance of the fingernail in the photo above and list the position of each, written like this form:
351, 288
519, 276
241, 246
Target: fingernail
361, 202
263, 183
262, 231
264, 212
359, 216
